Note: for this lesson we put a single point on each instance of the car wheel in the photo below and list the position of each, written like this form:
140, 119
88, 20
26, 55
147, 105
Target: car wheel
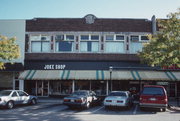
33, 101
88, 105
10, 105
163, 109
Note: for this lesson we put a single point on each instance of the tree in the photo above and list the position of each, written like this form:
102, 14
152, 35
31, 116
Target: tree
164, 47
9, 50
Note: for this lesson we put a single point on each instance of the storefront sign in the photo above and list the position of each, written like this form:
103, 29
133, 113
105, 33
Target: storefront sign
54, 67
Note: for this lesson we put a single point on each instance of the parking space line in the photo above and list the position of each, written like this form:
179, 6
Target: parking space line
135, 110
97, 109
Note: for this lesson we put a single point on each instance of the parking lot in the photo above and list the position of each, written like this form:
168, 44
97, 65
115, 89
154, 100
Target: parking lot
59, 112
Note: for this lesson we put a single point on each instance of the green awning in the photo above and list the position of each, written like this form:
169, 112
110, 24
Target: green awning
100, 75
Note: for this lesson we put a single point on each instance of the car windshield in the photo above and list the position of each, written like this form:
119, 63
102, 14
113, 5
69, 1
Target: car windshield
5, 93
153, 91
79, 93
123, 94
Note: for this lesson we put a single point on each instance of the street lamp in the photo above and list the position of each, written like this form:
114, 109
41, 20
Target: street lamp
110, 72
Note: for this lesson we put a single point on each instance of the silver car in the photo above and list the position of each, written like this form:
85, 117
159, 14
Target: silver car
10, 98
118, 99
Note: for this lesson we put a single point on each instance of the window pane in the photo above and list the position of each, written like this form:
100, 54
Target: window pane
94, 37
46, 37
45, 46
135, 47
119, 37
84, 37
89, 46
35, 37
59, 37
144, 38
83, 46
64, 46
69, 37
109, 37
35, 46
135, 38
114, 47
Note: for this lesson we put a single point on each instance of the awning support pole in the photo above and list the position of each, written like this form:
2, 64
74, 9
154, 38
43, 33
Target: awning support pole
73, 85
107, 87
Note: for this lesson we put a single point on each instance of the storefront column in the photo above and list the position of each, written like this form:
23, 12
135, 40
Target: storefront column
175, 89
73, 85
107, 87
21, 84
90, 85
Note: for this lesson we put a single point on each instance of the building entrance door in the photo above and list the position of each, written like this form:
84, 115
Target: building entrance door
42, 88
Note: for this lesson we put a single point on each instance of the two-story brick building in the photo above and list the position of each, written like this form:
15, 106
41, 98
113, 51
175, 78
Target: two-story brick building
67, 54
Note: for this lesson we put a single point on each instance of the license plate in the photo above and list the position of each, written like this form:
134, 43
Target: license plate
72, 100
152, 99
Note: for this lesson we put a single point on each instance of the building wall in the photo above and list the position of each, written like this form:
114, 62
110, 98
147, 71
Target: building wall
6, 81
14, 28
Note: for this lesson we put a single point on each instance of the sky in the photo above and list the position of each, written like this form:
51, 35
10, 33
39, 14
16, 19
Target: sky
29, 9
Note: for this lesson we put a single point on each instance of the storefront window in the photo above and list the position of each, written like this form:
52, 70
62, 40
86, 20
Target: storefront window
99, 87
60, 87
82, 85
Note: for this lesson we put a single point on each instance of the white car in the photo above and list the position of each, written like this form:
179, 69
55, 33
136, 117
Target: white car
10, 98
118, 99
81, 98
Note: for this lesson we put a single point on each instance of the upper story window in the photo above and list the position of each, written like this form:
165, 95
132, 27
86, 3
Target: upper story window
144, 38
89, 43
134, 38
94, 37
84, 37
119, 37
114, 44
137, 43
59, 37
40, 43
64, 43
70, 37
109, 37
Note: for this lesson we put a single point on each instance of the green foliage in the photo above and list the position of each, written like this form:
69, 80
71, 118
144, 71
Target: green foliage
164, 47
9, 50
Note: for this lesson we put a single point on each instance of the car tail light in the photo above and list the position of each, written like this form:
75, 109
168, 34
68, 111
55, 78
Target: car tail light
119, 101
108, 100
78, 101
66, 100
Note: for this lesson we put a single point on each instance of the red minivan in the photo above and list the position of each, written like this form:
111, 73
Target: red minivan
153, 96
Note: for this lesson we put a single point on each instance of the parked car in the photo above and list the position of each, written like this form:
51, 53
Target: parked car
118, 99
153, 96
10, 98
82, 98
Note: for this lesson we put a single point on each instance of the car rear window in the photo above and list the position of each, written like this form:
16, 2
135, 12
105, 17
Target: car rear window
153, 91
118, 94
